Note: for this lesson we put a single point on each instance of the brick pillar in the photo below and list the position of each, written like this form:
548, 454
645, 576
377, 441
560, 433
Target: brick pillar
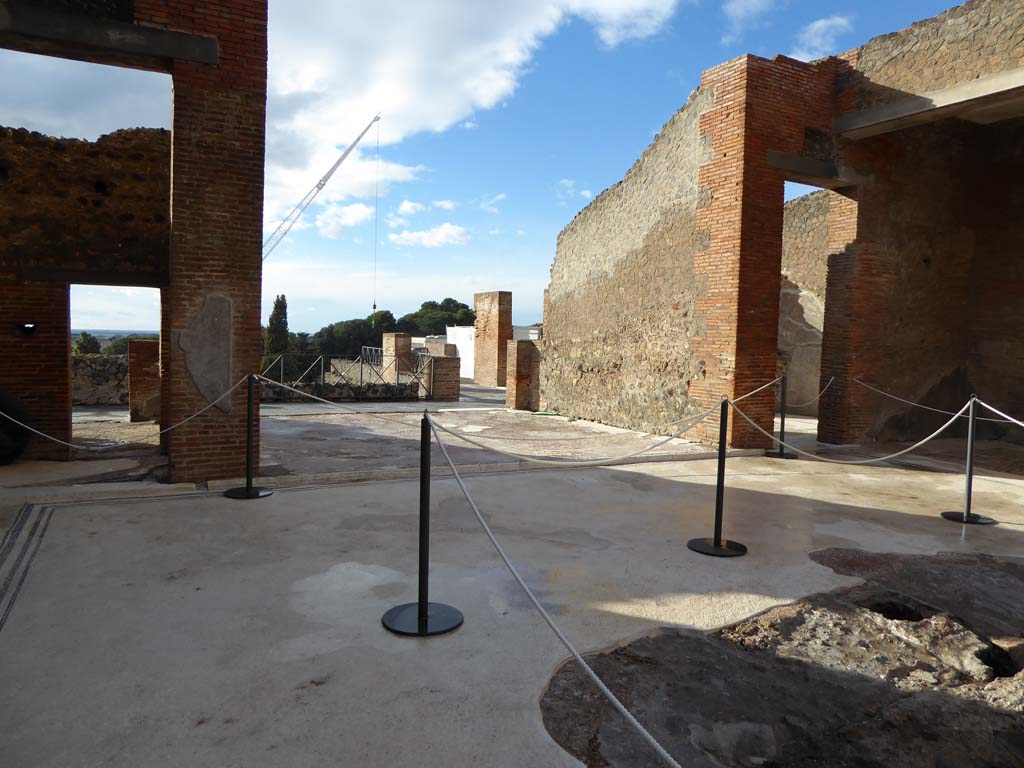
217, 166
397, 355
36, 368
834, 411
445, 379
493, 332
760, 105
143, 380
523, 393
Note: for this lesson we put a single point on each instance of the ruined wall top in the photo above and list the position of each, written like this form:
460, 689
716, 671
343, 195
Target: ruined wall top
83, 211
976, 39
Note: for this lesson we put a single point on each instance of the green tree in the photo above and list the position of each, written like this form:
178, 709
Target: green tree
277, 327
119, 345
86, 344
302, 343
433, 317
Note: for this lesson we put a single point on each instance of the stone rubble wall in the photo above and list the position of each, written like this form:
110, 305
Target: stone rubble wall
805, 250
99, 379
98, 207
619, 311
341, 393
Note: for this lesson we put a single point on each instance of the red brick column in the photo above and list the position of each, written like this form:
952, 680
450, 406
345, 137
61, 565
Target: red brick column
445, 381
36, 368
523, 380
216, 231
397, 356
143, 380
760, 105
493, 333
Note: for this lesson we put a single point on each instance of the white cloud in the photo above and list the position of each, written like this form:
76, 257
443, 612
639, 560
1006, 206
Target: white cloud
741, 14
408, 208
520, 232
469, 125
495, 231
490, 204
435, 237
567, 192
444, 205
394, 222
334, 218
821, 38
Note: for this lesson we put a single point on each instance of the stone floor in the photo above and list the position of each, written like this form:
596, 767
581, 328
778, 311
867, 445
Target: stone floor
209, 632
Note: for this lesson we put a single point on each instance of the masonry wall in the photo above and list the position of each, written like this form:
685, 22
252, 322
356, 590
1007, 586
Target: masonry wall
445, 381
523, 393
144, 380
805, 250
99, 379
972, 40
85, 211
619, 317
37, 368
493, 331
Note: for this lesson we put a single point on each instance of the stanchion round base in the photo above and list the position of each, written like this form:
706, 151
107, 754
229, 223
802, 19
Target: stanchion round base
972, 519
245, 493
707, 547
783, 455
404, 620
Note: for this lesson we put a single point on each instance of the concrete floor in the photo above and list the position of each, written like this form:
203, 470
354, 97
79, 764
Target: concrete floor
208, 632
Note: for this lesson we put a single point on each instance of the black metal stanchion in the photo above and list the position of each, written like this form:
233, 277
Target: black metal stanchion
717, 546
967, 517
423, 618
248, 491
783, 453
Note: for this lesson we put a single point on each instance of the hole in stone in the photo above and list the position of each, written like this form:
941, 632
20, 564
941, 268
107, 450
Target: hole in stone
101, 186
894, 610
999, 661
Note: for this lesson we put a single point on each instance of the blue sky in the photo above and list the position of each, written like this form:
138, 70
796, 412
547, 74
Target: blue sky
500, 121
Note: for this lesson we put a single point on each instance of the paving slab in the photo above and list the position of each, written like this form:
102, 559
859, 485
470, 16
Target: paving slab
210, 632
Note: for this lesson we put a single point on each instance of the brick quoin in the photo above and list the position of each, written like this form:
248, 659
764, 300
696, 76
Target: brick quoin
759, 105
493, 333
523, 378
445, 383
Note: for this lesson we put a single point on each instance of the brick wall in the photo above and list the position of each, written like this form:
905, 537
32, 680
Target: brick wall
37, 368
144, 380
441, 349
445, 379
523, 393
217, 223
493, 331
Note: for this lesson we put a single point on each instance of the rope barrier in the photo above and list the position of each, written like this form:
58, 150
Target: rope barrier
817, 397
636, 724
78, 447
776, 380
570, 464
916, 445
921, 405
1000, 413
333, 404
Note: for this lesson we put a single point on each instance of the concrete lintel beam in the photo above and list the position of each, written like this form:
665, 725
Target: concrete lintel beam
983, 100
50, 32
810, 170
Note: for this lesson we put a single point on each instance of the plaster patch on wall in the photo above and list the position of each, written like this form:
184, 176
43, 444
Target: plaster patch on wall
207, 347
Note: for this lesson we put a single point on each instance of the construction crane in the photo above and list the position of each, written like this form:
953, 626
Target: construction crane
295, 214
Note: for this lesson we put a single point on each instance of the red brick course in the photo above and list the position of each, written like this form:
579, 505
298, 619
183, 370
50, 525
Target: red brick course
493, 332
143, 380
523, 379
445, 382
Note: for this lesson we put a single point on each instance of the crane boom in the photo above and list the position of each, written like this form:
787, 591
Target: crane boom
295, 214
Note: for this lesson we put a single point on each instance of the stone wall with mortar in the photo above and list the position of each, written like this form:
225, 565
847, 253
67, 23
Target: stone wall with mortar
99, 379
619, 310
805, 250
86, 211
972, 40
